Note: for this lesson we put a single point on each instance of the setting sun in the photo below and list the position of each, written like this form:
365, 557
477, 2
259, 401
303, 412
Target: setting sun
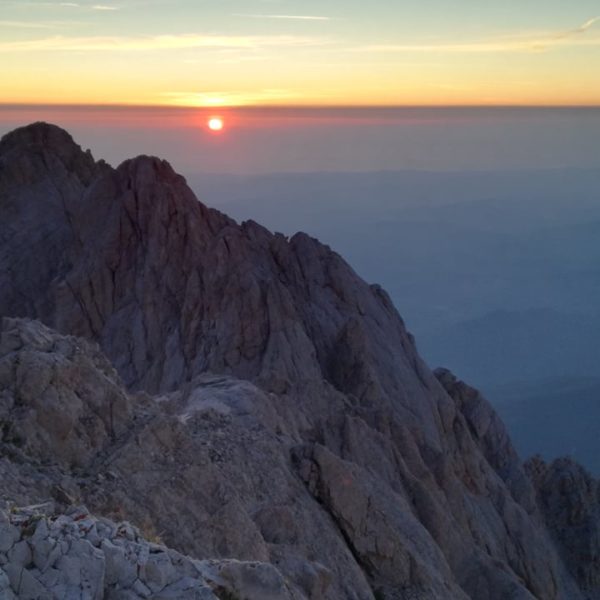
215, 124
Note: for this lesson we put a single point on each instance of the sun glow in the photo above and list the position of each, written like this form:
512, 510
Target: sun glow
215, 123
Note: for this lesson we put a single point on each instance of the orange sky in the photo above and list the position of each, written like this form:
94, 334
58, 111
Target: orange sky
187, 53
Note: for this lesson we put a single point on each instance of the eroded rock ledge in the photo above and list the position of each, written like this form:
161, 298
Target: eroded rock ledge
45, 554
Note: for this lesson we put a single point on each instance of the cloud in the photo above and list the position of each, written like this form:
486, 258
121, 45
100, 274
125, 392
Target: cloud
225, 56
160, 42
284, 17
519, 43
228, 98
23, 3
37, 25
470, 48
583, 28
27, 25
563, 35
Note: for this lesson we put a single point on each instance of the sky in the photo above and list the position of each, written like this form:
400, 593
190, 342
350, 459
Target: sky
211, 53
258, 140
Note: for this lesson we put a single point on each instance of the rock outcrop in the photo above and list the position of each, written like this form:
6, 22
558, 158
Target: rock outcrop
277, 409
44, 554
61, 399
569, 499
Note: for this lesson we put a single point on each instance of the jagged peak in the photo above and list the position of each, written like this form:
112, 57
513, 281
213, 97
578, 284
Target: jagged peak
49, 140
40, 133
149, 168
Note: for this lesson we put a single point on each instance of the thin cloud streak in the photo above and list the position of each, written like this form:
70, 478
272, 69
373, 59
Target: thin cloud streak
583, 28
521, 43
284, 17
565, 35
23, 3
33, 25
160, 42
228, 98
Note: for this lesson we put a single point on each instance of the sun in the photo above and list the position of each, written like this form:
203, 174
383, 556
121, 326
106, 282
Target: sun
215, 123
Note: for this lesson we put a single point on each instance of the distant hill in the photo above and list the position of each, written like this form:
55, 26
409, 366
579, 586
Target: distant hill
534, 366
529, 345
554, 417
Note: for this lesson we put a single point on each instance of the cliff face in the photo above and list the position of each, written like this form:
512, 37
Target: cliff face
291, 421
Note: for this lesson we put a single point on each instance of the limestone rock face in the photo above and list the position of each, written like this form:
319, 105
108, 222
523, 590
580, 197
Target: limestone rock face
61, 400
278, 412
569, 499
77, 555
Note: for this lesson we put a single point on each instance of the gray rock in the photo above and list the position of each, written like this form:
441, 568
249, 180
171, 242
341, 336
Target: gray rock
5, 589
24, 585
9, 536
120, 570
252, 581
70, 405
20, 554
186, 588
158, 572
141, 589
569, 500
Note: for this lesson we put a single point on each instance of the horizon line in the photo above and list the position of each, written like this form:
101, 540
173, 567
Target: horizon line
286, 107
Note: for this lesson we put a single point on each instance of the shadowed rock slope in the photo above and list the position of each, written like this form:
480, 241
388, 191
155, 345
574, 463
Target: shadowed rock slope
277, 408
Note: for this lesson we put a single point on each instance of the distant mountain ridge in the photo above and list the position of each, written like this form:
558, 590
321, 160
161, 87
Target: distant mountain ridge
528, 345
277, 409
567, 410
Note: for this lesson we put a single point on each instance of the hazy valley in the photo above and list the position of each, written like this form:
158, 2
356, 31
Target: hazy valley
496, 274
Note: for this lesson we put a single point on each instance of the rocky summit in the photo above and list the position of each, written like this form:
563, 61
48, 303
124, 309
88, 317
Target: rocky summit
194, 408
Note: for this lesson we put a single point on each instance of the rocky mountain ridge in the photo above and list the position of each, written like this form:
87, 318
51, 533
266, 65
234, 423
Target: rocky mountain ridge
277, 410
